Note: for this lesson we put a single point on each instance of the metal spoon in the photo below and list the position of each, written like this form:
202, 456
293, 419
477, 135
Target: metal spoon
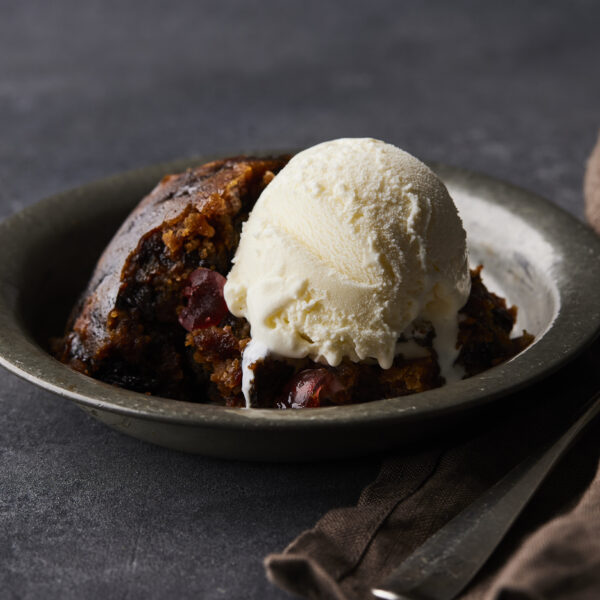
443, 566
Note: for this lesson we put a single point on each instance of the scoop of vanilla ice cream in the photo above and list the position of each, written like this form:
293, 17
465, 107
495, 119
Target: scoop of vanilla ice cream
350, 243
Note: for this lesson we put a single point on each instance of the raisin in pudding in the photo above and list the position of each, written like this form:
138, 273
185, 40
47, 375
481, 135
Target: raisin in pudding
337, 277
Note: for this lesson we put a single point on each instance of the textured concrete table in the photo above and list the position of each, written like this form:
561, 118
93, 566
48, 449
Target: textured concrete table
90, 89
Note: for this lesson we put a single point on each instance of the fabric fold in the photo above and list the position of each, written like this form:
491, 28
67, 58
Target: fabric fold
592, 188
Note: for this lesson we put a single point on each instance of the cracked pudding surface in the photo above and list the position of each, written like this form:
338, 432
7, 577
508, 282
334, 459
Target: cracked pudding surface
126, 329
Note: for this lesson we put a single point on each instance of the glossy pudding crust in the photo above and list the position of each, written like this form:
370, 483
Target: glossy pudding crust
125, 328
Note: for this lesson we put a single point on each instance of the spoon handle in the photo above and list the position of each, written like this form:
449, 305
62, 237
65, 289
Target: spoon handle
450, 558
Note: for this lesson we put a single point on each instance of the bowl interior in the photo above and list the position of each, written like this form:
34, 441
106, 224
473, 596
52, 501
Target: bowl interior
519, 262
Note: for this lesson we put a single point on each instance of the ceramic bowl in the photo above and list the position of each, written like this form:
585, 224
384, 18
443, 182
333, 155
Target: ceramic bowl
534, 254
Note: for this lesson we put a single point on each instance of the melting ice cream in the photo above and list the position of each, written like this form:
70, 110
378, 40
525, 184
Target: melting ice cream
352, 243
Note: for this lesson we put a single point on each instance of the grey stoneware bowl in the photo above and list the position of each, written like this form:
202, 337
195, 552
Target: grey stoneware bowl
534, 254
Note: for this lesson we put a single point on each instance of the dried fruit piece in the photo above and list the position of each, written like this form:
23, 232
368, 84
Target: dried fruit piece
311, 388
205, 305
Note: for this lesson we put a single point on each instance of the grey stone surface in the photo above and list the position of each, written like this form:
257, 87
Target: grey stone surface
92, 88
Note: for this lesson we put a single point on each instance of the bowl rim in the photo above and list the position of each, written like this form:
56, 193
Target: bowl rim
576, 324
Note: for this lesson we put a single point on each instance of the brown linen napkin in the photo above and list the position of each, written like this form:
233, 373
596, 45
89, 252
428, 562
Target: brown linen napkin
592, 188
552, 552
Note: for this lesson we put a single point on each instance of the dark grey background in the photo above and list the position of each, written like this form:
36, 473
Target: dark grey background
92, 88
